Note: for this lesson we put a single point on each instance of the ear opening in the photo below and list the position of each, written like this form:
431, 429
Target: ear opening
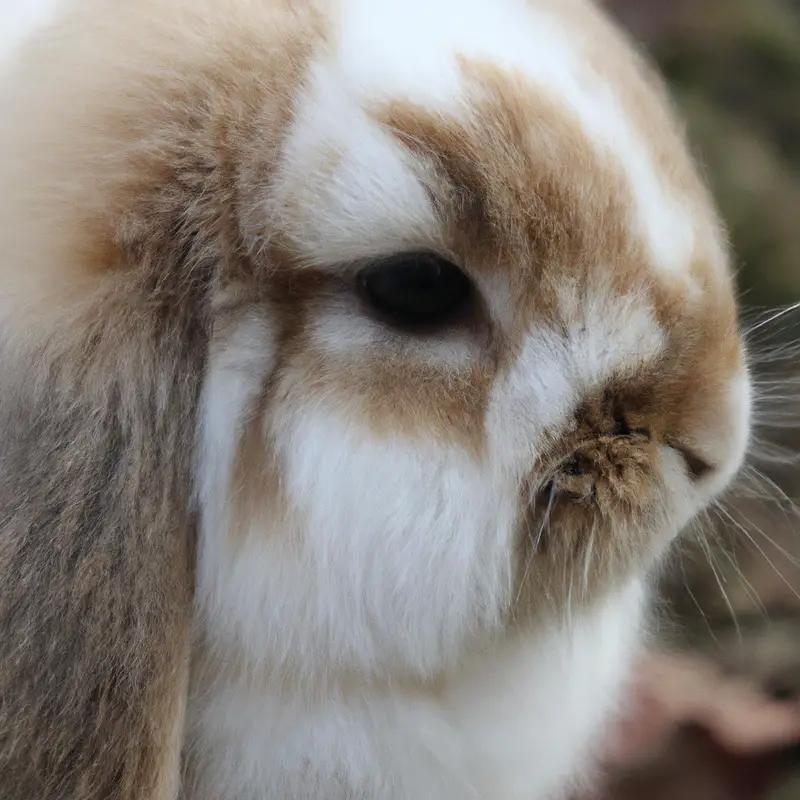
96, 552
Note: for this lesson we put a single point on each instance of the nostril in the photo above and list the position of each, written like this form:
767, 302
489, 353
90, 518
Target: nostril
574, 481
621, 426
574, 467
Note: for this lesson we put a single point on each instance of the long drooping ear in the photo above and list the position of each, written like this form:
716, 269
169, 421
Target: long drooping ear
97, 420
123, 137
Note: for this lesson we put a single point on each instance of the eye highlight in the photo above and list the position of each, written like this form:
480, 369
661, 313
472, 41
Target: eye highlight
415, 289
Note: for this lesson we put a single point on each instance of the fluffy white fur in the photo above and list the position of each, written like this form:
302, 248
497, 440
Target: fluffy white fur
511, 724
19, 19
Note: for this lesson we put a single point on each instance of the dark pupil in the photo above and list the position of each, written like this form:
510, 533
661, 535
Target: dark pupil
416, 289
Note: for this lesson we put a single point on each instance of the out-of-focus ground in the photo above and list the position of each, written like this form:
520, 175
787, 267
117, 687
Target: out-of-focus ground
732, 596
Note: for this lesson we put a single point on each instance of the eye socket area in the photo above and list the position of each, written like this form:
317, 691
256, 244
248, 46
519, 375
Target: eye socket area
416, 290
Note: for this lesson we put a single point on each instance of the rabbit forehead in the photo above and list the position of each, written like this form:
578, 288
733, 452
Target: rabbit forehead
547, 58
527, 186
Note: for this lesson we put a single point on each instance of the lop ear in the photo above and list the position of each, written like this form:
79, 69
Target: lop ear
97, 423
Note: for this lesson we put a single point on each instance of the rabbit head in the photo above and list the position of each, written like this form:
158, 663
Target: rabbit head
418, 313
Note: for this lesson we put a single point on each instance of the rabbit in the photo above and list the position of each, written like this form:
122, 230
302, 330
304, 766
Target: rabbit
361, 362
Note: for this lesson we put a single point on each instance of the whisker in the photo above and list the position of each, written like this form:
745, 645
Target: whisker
569, 579
774, 316
748, 587
779, 496
711, 563
546, 519
533, 551
530, 554
685, 580
792, 559
760, 549
587, 559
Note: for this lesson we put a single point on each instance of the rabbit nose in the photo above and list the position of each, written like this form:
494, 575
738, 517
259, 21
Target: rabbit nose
576, 481
607, 468
609, 463
610, 454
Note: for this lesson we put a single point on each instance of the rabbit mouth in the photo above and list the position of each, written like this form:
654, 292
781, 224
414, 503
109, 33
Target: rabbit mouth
603, 503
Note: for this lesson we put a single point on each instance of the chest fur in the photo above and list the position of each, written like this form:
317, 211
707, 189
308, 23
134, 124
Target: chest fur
517, 722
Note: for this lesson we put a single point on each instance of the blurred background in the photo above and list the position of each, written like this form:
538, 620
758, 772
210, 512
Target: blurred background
734, 67
731, 598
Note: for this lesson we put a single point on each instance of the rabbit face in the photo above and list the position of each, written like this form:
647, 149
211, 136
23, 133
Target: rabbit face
495, 366
419, 310
471, 344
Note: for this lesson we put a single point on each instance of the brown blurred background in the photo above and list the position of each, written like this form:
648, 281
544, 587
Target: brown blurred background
733, 593
734, 66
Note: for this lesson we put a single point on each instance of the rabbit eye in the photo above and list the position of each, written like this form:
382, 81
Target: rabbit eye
415, 289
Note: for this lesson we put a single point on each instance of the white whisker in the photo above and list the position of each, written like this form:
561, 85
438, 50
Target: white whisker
774, 316
760, 549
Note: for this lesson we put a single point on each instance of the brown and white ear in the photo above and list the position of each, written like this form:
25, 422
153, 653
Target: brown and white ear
96, 548
115, 223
